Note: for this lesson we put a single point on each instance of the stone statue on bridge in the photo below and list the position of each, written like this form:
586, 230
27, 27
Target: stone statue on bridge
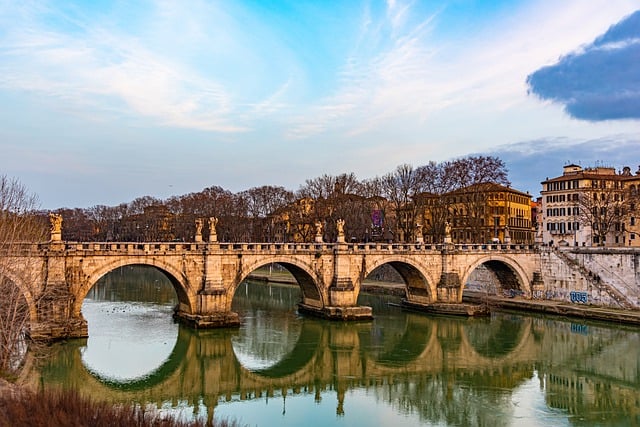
198, 237
418, 232
340, 228
56, 226
318, 225
213, 234
447, 232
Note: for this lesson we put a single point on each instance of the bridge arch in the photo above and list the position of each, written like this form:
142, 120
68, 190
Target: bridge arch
16, 279
310, 283
416, 278
184, 292
510, 273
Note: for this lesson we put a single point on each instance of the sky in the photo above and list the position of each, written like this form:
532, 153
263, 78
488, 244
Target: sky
102, 102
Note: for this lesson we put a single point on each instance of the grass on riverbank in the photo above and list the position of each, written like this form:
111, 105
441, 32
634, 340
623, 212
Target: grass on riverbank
68, 408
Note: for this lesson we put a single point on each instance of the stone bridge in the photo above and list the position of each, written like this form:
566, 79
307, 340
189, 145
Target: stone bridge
206, 275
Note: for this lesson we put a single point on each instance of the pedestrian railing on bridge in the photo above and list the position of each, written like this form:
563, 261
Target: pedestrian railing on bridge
280, 247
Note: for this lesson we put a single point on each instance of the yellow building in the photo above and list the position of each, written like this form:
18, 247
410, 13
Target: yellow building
480, 213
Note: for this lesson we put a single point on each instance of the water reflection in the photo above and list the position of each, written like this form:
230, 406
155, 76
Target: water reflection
269, 328
131, 332
401, 369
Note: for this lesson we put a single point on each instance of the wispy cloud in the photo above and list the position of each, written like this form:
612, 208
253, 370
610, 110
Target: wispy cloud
413, 73
381, 82
107, 70
378, 79
198, 67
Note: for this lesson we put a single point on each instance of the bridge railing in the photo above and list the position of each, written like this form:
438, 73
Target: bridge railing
288, 247
20, 248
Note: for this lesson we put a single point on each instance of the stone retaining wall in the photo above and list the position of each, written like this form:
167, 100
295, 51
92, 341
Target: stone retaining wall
599, 276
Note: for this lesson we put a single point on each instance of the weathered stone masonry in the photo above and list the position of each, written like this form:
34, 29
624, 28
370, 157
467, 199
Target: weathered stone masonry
206, 275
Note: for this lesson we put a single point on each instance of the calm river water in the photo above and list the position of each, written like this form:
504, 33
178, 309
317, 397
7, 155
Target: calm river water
401, 369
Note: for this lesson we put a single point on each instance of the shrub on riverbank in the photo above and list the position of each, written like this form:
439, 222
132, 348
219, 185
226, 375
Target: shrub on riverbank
68, 408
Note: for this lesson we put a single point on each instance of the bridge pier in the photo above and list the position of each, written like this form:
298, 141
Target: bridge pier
338, 313
55, 307
51, 330
211, 311
342, 305
449, 288
449, 299
342, 292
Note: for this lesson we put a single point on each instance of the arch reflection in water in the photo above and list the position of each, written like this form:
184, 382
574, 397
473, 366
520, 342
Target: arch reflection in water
495, 337
269, 332
131, 330
402, 368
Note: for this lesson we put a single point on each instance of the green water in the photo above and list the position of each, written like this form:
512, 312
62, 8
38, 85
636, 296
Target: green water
402, 369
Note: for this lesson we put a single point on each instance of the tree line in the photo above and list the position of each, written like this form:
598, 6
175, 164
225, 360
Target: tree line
274, 213
266, 214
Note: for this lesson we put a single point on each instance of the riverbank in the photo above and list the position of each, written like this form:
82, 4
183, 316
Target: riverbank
558, 308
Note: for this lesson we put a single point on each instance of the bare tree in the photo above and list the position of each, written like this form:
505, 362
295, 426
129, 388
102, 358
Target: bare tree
431, 207
262, 202
401, 188
21, 227
471, 170
604, 208
79, 226
326, 186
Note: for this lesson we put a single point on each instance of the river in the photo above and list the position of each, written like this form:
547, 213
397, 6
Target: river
401, 369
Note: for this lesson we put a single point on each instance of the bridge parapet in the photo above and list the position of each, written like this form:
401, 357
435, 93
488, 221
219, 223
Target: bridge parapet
188, 247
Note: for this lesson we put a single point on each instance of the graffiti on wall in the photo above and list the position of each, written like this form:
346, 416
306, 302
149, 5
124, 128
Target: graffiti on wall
579, 297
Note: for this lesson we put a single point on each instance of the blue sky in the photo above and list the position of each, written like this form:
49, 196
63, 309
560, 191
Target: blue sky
106, 101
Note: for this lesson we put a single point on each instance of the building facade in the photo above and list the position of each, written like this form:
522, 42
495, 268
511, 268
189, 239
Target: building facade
590, 207
480, 213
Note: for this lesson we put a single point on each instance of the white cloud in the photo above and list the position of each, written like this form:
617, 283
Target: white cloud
412, 74
106, 70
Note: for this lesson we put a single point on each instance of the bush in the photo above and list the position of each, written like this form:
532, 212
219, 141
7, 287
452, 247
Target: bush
69, 409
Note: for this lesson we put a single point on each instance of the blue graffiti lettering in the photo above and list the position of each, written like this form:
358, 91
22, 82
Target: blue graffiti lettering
579, 297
